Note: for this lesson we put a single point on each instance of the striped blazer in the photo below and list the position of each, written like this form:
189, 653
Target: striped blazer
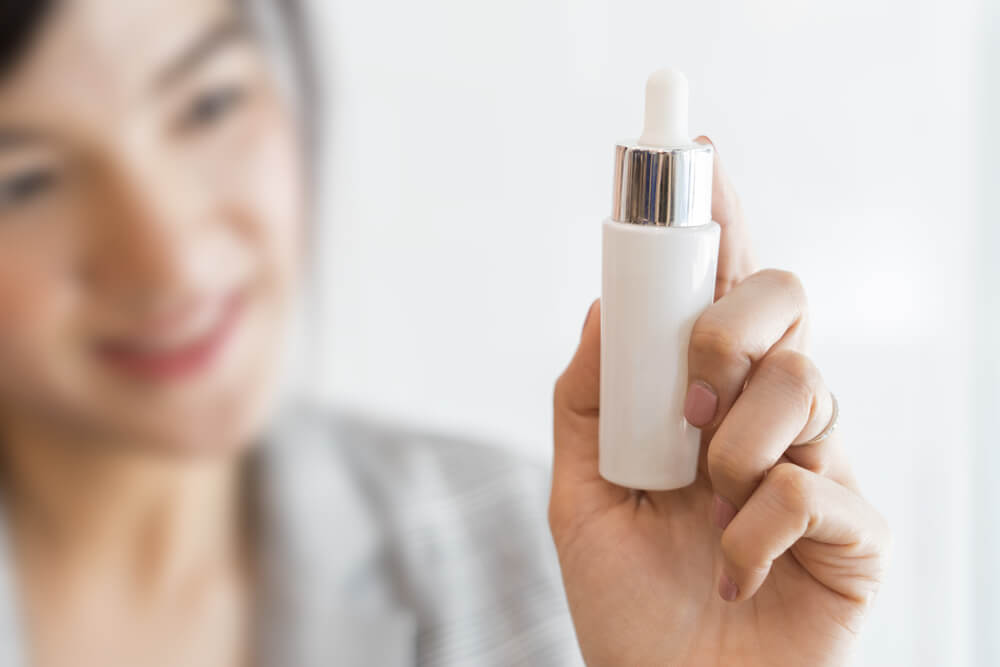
388, 548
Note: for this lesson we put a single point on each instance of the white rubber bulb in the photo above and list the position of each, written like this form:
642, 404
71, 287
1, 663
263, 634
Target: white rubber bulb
666, 121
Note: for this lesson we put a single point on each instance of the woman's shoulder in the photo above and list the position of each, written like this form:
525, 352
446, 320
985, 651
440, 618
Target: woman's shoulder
462, 532
408, 469
412, 464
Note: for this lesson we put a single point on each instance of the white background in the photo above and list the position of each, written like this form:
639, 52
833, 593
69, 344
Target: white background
471, 168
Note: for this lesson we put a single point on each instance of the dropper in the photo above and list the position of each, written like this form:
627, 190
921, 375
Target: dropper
664, 178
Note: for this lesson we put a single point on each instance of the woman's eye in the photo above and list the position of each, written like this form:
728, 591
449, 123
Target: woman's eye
23, 187
210, 107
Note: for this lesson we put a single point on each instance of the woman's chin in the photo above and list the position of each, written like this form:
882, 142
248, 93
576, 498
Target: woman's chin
218, 428
219, 408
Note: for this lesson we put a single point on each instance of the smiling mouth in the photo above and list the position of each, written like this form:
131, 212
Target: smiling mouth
152, 362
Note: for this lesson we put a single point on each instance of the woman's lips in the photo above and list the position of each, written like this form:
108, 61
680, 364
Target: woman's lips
144, 359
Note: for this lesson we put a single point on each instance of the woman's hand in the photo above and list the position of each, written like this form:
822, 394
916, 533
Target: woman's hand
771, 557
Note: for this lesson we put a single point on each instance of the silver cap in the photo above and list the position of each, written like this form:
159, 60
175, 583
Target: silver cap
669, 187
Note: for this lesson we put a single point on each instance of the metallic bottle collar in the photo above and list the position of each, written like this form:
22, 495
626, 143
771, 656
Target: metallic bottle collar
668, 187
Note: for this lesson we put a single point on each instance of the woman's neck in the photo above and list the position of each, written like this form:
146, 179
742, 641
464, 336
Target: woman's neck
121, 510
121, 553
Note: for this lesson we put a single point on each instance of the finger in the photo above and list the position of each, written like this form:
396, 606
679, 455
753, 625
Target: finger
576, 481
765, 311
578, 389
786, 400
794, 503
735, 258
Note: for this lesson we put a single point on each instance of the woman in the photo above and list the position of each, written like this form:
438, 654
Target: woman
157, 508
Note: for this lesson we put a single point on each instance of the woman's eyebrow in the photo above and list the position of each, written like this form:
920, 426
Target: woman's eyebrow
224, 33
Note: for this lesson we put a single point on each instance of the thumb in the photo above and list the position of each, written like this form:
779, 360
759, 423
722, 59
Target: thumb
578, 389
576, 481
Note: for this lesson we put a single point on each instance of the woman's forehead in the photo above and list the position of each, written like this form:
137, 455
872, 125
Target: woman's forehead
105, 53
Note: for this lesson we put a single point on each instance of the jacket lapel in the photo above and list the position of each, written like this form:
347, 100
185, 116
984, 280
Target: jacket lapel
324, 584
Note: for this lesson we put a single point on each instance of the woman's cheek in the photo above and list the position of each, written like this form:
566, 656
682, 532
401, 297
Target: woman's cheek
276, 179
266, 186
23, 289
32, 313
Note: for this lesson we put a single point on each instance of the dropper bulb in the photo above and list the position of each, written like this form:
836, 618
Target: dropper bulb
666, 121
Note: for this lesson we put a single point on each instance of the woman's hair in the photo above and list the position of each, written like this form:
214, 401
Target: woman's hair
22, 20
19, 22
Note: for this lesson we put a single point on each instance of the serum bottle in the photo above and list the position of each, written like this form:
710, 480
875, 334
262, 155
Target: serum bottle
660, 253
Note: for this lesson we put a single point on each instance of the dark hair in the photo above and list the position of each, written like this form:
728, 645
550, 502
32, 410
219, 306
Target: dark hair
19, 22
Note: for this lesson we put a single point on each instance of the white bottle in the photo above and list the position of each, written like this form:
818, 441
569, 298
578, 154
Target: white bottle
661, 250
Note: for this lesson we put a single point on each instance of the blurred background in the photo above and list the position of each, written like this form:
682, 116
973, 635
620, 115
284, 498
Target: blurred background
470, 162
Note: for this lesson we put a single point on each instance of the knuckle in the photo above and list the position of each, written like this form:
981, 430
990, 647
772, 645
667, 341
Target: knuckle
794, 370
791, 487
556, 516
559, 391
791, 363
560, 517
564, 393
559, 529
725, 466
568, 403
786, 281
710, 339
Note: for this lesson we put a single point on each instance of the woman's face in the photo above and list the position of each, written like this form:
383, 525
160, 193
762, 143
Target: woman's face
150, 221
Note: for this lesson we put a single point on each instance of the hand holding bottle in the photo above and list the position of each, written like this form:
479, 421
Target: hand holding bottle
771, 557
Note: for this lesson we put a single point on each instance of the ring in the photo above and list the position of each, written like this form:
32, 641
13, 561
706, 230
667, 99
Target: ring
830, 427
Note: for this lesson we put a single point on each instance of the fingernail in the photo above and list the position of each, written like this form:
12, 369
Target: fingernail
723, 511
728, 589
700, 404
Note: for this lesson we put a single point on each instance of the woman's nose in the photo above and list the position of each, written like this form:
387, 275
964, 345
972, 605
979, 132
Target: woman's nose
144, 248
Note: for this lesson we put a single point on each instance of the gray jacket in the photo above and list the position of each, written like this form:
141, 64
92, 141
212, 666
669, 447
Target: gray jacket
388, 548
